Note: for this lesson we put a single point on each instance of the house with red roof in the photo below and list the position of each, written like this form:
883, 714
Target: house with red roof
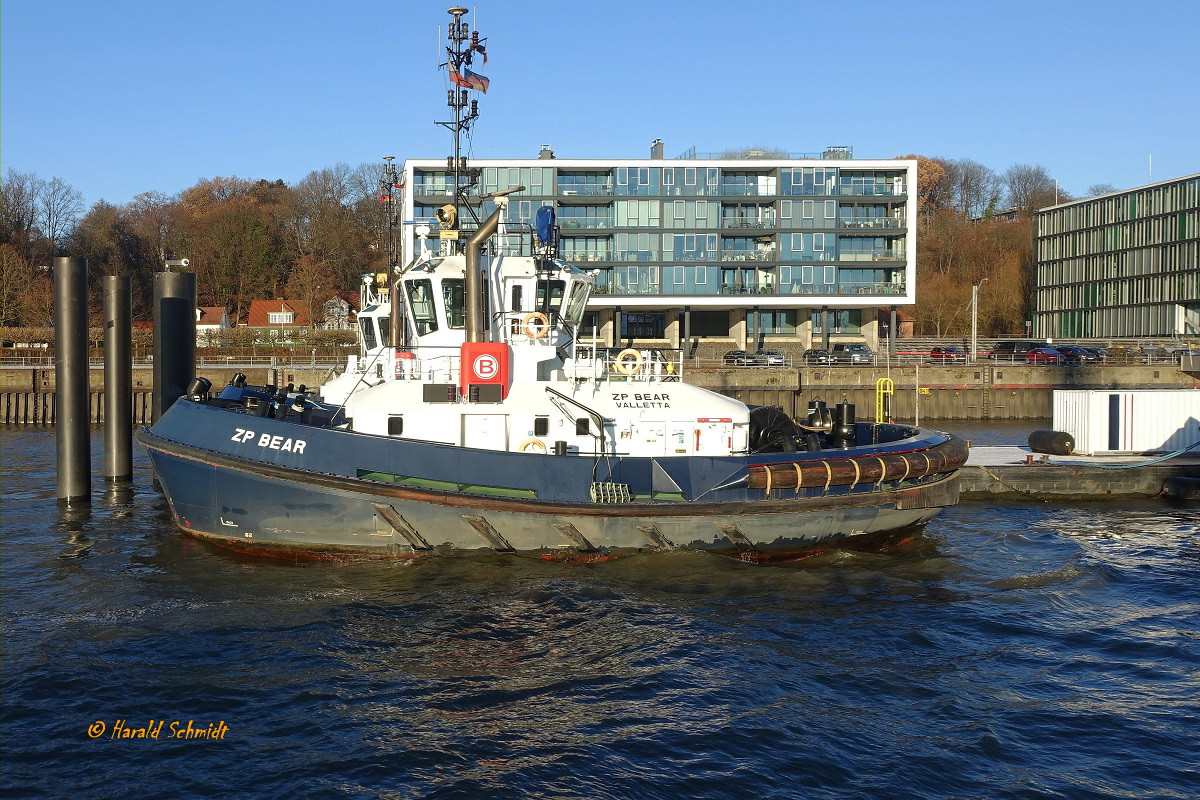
278, 315
210, 319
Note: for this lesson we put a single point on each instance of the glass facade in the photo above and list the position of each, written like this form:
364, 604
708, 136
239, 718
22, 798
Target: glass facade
722, 237
1123, 265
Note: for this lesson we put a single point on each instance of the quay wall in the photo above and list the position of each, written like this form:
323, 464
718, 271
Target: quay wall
983, 392
28, 396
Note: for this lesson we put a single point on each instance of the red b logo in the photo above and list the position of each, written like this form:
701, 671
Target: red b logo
486, 367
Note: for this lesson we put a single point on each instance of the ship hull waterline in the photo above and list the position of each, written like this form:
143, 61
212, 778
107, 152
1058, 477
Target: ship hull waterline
268, 509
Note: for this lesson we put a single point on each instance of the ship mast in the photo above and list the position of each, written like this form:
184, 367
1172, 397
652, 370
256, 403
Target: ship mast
459, 52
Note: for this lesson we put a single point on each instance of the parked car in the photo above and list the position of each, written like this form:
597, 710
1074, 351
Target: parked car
770, 358
1076, 355
816, 356
738, 358
1100, 354
851, 353
1043, 356
1013, 351
948, 354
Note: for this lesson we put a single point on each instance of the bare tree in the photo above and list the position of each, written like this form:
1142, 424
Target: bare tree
19, 194
976, 188
14, 278
59, 211
1097, 189
1030, 187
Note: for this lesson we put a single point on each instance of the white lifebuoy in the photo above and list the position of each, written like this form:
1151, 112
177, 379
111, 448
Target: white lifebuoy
535, 325
628, 362
535, 445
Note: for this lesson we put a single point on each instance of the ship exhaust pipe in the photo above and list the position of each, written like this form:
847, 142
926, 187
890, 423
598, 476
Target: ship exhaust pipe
473, 285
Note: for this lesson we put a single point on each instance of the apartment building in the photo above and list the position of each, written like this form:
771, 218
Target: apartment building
754, 251
1125, 264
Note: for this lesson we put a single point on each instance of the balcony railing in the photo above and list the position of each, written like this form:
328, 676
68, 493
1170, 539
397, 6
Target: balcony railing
873, 255
871, 222
584, 223
868, 191
427, 189
634, 255
737, 222
580, 258
747, 256
617, 285
744, 190
586, 190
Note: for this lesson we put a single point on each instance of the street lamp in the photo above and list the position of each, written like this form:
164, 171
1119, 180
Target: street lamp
975, 319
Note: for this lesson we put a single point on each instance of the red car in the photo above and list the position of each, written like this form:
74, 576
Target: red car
1042, 356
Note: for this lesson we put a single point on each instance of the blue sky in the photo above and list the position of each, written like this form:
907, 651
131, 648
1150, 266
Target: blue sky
129, 96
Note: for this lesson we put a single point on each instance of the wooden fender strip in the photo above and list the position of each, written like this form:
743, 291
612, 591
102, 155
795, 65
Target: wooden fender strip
874, 468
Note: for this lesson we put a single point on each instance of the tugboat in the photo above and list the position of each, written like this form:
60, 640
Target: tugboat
491, 427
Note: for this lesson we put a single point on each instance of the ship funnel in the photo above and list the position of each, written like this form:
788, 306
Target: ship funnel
472, 287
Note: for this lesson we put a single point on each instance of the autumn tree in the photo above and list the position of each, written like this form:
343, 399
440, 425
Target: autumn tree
312, 282
14, 278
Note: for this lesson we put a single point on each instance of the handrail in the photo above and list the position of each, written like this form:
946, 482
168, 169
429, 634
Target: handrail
595, 416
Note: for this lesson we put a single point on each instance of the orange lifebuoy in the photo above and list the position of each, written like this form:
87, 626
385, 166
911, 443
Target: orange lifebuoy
628, 362
534, 445
535, 325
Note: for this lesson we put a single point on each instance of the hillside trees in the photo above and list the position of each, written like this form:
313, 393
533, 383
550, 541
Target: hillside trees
961, 243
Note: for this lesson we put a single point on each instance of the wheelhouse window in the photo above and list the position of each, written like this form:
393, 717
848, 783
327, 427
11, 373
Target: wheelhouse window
420, 300
556, 293
577, 303
456, 302
367, 326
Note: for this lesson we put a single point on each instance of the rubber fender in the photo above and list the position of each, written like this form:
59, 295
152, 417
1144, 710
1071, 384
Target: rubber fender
1055, 443
1181, 488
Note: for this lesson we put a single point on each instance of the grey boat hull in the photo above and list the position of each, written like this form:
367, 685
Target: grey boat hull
280, 510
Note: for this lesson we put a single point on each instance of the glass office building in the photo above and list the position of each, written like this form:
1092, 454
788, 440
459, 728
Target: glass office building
751, 251
1125, 264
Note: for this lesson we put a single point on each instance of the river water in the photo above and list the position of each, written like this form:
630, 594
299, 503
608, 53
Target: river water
1013, 651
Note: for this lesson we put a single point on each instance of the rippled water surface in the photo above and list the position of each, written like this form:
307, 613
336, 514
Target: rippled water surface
1019, 651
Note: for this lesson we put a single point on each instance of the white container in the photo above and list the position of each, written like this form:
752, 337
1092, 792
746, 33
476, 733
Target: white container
1130, 420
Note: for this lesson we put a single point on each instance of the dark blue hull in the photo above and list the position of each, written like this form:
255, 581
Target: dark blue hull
274, 486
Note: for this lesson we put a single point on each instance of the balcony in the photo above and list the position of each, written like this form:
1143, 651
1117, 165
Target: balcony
748, 256
634, 255
868, 191
742, 190
432, 189
871, 223
586, 190
757, 289
582, 258
584, 223
738, 222
873, 255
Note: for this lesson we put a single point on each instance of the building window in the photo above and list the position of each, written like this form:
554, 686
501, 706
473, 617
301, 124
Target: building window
280, 317
846, 320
